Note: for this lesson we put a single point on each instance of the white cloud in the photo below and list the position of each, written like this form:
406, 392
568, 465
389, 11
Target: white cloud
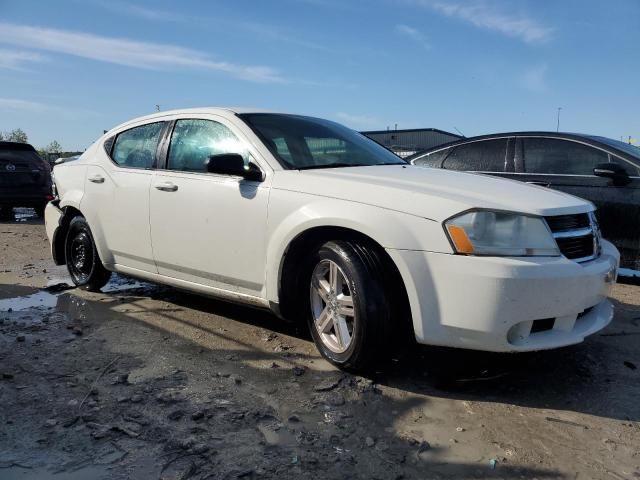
487, 15
358, 121
535, 78
15, 59
414, 35
262, 30
16, 104
132, 53
134, 10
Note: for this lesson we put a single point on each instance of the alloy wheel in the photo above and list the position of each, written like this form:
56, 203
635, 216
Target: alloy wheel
334, 316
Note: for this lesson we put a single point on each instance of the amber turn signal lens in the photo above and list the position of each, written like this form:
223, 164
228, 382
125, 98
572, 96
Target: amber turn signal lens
460, 239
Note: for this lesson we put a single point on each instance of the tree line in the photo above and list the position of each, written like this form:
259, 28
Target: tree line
20, 136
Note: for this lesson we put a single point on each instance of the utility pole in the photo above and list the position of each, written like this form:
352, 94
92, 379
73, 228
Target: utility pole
558, 122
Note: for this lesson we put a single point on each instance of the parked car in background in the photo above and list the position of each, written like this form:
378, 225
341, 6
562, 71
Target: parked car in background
318, 223
601, 170
25, 179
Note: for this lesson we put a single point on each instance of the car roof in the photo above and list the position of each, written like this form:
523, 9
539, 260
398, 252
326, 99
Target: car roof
196, 110
16, 146
211, 110
582, 137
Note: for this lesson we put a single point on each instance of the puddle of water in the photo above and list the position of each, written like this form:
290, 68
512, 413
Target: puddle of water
40, 299
91, 472
47, 299
119, 283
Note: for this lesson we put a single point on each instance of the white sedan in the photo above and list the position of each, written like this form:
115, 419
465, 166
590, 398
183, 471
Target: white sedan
320, 224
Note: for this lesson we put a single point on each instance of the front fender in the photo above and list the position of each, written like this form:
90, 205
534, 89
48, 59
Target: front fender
390, 229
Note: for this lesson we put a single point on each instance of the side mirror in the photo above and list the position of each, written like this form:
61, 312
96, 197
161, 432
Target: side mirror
233, 164
615, 172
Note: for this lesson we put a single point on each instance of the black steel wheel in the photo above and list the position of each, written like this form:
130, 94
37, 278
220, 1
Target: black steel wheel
83, 261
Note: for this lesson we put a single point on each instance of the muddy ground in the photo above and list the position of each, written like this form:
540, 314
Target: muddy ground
143, 381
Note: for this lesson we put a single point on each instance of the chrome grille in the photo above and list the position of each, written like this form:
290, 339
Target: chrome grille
577, 236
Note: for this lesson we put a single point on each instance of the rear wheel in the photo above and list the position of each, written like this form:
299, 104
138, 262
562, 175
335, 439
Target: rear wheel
349, 313
83, 261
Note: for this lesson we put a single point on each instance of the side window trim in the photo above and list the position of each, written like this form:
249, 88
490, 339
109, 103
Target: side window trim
108, 145
163, 145
509, 159
446, 155
113, 139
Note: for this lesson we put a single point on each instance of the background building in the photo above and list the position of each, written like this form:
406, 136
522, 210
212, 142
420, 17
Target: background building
407, 142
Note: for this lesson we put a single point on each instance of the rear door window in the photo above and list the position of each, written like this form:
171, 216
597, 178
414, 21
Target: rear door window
433, 159
136, 148
560, 157
483, 156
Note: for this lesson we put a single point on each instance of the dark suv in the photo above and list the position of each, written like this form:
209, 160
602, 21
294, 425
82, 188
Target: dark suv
25, 179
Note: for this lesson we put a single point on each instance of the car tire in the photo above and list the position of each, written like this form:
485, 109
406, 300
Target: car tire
83, 262
348, 313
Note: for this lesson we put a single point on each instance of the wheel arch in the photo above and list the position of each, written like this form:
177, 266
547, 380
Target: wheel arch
312, 238
60, 234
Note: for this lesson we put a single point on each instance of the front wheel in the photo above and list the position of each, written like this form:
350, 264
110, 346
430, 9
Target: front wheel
349, 313
83, 261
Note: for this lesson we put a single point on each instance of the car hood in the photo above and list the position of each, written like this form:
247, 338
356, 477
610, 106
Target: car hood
428, 192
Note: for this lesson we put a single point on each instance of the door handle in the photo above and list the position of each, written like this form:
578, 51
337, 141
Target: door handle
166, 186
96, 179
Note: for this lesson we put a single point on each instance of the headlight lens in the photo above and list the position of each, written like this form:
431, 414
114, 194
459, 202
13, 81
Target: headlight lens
501, 234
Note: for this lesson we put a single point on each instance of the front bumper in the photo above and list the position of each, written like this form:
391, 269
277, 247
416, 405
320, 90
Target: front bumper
507, 304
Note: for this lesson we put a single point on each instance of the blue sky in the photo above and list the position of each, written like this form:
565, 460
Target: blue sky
72, 68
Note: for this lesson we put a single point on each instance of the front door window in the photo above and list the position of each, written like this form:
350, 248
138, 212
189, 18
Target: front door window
195, 140
556, 156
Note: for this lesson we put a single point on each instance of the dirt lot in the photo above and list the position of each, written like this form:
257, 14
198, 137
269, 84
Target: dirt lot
143, 381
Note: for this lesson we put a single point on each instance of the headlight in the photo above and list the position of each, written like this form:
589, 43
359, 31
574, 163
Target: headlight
501, 234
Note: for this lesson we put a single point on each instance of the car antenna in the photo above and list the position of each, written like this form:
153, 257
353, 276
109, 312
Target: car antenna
456, 129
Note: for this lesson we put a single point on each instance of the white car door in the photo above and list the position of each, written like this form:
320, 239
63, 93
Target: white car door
116, 199
208, 228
